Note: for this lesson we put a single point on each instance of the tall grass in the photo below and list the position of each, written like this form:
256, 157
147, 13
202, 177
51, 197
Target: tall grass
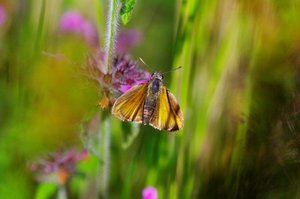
230, 90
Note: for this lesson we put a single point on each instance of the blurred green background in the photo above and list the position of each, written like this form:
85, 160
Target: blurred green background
238, 89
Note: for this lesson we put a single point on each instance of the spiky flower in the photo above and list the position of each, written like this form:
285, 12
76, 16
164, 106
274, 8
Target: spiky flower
59, 166
125, 74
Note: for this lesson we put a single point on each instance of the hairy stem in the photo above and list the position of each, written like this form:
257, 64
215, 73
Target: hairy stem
111, 32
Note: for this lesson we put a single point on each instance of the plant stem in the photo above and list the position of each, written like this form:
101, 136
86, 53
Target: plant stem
41, 22
62, 194
106, 156
111, 32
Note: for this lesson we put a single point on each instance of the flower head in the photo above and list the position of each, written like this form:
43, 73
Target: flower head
58, 166
71, 21
74, 22
125, 73
127, 39
150, 193
2, 15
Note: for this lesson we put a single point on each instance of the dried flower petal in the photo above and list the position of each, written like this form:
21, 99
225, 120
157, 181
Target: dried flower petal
104, 102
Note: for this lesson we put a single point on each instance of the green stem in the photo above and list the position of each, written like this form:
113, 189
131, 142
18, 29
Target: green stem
62, 193
111, 32
40, 27
106, 157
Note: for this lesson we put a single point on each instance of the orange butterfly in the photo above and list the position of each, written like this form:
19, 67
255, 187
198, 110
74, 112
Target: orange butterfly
150, 103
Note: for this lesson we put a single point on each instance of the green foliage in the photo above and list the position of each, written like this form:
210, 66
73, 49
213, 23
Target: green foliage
46, 190
126, 10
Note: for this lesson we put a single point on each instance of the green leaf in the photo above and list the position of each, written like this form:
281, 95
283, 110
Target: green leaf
130, 134
126, 10
45, 190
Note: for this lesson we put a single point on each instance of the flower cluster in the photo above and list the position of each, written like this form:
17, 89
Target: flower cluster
73, 22
59, 166
125, 73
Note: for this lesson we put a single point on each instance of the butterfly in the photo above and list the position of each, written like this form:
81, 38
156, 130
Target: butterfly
150, 103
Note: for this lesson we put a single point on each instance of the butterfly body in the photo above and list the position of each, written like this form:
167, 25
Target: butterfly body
150, 103
154, 87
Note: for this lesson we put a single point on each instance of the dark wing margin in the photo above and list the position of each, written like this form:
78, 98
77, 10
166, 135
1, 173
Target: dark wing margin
167, 115
175, 108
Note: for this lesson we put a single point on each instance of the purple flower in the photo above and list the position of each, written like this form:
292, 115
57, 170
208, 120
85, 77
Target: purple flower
150, 193
73, 22
126, 39
2, 15
90, 33
125, 73
58, 166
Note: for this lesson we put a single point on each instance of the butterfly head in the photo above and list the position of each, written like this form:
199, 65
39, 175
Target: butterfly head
157, 75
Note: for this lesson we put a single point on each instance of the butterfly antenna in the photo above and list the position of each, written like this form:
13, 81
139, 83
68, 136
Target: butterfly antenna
179, 67
143, 62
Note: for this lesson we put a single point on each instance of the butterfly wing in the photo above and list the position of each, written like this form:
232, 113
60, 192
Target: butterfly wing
167, 115
129, 106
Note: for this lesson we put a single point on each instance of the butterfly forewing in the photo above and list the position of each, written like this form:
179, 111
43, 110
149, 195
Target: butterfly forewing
167, 115
129, 106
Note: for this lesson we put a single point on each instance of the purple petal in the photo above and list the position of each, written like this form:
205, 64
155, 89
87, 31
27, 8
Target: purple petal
141, 81
34, 166
147, 75
2, 15
124, 88
150, 193
90, 33
127, 39
71, 21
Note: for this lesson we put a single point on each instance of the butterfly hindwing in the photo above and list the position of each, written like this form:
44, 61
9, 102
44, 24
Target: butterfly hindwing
129, 106
167, 115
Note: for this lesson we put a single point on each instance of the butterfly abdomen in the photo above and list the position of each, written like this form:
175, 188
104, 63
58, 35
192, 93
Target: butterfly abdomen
148, 111
151, 99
